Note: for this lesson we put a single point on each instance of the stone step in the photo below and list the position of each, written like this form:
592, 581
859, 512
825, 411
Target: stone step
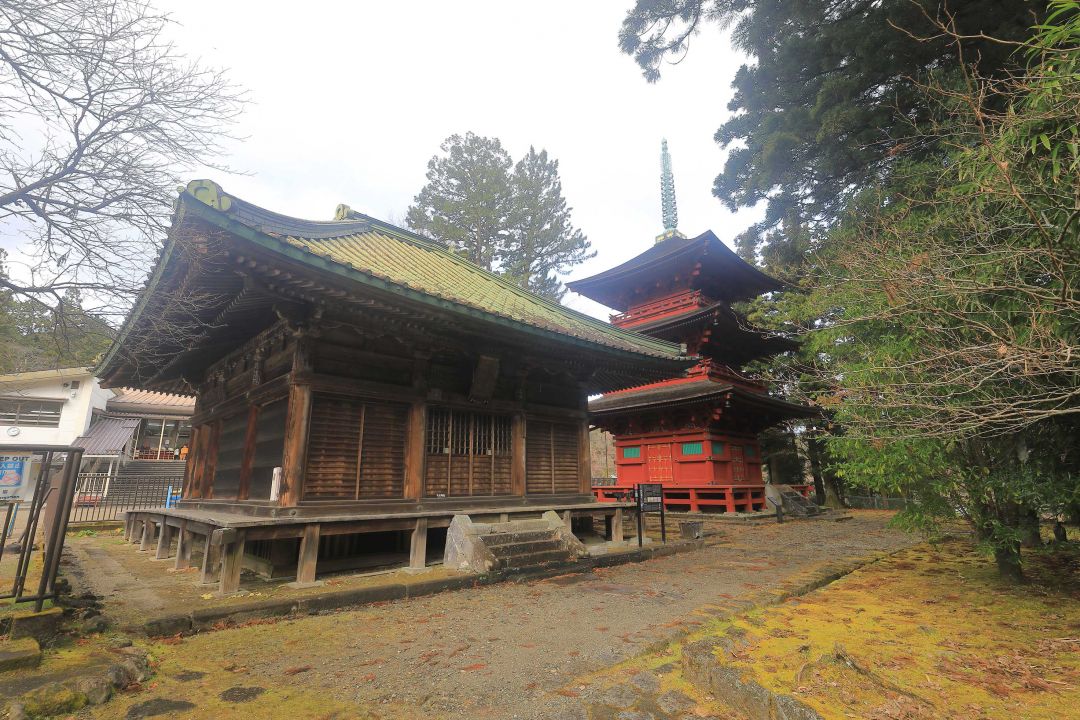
514, 526
528, 560
493, 540
522, 548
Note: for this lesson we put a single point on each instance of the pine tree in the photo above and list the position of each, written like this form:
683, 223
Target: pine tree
542, 243
467, 201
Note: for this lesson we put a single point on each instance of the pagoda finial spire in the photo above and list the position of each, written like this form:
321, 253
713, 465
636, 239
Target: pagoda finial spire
667, 194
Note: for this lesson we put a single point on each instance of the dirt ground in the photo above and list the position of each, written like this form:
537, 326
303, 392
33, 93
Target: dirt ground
503, 651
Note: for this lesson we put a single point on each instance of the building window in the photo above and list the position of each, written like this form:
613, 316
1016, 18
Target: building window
717, 447
693, 448
30, 413
751, 451
468, 453
631, 452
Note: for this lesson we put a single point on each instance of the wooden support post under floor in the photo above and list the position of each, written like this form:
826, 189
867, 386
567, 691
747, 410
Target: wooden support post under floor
309, 555
147, 534
211, 562
164, 543
614, 529
418, 551
232, 561
183, 547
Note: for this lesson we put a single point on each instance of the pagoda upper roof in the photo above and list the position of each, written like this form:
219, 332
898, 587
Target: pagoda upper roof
715, 269
356, 254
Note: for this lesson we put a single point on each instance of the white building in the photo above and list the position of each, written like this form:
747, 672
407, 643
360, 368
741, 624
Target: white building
48, 407
45, 407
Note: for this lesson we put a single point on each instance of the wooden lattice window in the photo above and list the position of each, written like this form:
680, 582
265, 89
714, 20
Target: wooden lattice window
468, 453
691, 448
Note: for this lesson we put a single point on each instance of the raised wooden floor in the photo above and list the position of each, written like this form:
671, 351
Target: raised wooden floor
224, 527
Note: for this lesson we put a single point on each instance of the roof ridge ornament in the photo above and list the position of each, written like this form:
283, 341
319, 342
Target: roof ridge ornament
670, 210
210, 193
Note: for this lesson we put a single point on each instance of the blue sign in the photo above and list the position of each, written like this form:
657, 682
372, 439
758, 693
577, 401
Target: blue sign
13, 476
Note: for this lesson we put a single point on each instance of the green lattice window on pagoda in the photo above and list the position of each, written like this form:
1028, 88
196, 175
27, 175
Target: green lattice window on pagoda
693, 448
717, 447
751, 451
631, 452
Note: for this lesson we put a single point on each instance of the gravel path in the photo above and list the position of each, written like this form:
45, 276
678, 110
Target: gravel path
503, 651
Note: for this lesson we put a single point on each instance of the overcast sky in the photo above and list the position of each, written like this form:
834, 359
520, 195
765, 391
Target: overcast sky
350, 100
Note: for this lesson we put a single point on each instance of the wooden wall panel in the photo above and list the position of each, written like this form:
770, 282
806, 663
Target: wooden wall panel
538, 461
333, 448
230, 456
356, 449
564, 441
551, 457
269, 441
382, 466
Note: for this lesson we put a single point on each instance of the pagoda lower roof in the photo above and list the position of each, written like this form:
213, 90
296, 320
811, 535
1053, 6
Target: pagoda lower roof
695, 392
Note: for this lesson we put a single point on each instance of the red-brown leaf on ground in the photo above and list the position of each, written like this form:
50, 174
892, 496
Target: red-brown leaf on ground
297, 670
474, 666
370, 677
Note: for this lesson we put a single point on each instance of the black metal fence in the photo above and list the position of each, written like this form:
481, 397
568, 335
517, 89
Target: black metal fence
100, 497
47, 513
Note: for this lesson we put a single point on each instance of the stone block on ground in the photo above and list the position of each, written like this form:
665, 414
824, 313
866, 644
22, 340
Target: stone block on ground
18, 654
42, 626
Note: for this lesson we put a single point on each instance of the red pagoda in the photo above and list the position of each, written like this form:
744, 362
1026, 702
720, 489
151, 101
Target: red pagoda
695, 434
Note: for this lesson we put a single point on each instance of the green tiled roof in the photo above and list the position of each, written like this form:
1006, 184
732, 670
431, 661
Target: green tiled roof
408, 262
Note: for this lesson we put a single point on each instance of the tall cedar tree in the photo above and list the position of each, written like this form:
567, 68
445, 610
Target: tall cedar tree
510, 219
467, 201
830, 97
542, 240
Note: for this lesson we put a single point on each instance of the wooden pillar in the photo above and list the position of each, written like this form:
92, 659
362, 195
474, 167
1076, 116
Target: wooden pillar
616, 526
517, 454
296, 437
164, 542
210, 461
418, 551
247, 461
584, 459
415, 436
211, 562
232, 560
183, 547
309, 554
193, 468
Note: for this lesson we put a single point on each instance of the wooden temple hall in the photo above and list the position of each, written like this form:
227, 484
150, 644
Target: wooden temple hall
357, 387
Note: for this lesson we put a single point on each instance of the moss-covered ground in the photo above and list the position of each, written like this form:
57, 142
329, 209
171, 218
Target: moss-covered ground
930, 632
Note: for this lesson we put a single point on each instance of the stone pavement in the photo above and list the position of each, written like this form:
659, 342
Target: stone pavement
508, 651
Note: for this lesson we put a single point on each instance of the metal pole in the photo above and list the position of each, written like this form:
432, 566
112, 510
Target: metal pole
663, 520
639, 526
37, 500
63, 508
7, 528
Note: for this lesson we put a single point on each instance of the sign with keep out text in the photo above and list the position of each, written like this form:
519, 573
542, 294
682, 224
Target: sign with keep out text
14, 477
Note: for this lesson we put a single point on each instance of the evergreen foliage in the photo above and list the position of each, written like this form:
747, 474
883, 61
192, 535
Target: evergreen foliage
504, 217
919, 165
34, 336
